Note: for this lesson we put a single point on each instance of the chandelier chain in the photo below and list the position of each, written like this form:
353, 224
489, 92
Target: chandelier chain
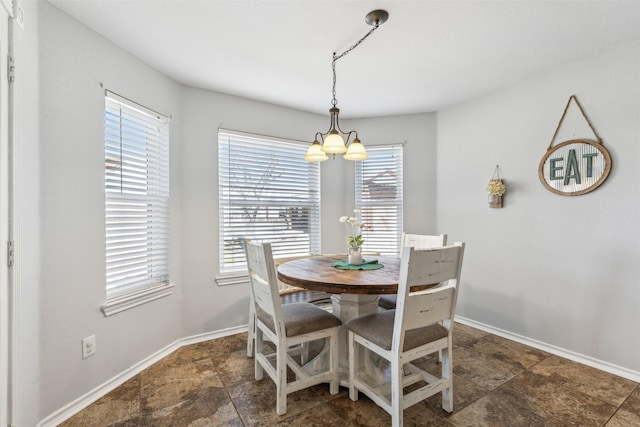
334, 101
335, 140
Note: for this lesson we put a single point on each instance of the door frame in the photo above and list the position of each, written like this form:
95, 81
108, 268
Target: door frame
8, 292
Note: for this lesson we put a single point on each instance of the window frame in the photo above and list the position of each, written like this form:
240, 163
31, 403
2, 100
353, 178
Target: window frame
371, 226
137, 204
304, 186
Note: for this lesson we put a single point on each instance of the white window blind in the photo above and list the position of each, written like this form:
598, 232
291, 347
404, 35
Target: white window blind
267, 192
379, 198
137, 197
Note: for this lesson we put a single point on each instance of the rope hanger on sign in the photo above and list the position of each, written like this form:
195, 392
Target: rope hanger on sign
564, 113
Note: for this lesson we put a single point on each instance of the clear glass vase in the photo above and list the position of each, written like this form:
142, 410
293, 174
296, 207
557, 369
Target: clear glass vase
355, 256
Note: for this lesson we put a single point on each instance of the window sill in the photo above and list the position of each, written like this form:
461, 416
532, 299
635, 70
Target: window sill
233, 279
126, 302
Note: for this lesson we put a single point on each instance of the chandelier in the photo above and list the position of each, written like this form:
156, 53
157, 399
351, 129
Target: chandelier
335, 140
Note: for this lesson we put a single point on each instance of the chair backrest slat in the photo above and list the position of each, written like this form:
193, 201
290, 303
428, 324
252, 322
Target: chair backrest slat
434, 265
423, 241
422, 308
429, 307
263, 280
262, 294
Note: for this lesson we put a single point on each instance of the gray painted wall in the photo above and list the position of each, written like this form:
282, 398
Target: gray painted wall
418, 134
74, 61
208, 307
67, 204
561, 270
550, 268
27, 220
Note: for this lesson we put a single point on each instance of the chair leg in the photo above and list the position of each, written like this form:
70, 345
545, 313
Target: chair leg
251, 333
334, 387
397, 374
447, 393
259, 370
281, 377
353, 391
304, 353
446, 324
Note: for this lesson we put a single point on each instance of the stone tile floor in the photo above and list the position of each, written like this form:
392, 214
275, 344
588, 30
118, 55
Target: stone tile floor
497, 382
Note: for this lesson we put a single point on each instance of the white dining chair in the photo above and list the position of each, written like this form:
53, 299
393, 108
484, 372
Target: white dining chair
287, 326
420, 325
288, 294
418, 241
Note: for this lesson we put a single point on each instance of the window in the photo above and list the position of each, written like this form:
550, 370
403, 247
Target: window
136, 198
268, 192
379, 198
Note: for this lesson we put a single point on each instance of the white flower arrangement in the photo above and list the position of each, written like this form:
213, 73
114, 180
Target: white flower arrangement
354, 227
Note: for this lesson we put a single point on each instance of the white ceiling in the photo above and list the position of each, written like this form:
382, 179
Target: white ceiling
429, 54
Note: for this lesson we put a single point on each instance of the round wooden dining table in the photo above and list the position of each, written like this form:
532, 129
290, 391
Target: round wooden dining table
316, 273
355, 292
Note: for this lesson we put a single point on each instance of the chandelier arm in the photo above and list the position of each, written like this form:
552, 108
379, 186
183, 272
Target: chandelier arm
347, 133
346, 141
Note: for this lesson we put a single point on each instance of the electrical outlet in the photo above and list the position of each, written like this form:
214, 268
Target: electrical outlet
88, 346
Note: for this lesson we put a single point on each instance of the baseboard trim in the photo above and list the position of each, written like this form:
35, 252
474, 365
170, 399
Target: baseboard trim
82, 402
558, 351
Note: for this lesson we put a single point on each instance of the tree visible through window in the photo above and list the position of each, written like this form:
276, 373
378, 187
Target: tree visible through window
267, 192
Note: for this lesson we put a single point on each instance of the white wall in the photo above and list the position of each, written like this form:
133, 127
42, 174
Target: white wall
73, 62
561, 270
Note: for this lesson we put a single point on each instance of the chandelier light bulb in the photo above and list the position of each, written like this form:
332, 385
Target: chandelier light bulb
315, 153
333, 143
356, 151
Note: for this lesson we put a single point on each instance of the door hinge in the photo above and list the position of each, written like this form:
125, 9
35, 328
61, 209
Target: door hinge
10, 253
11, 69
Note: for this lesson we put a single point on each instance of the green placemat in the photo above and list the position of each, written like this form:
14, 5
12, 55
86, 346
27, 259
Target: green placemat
366, 265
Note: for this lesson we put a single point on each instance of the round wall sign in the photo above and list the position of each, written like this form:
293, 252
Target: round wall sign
574, 167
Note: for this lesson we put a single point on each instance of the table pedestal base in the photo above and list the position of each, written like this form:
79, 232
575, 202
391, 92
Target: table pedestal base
351, 306
347, 307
